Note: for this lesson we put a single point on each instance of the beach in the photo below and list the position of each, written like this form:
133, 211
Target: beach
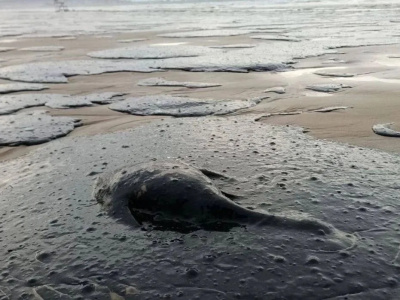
371, 100
290, 110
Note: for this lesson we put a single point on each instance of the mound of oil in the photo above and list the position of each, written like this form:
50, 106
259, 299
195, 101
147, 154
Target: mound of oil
176, 196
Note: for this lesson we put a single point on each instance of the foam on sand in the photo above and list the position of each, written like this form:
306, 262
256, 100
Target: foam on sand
34, 128
327, 87
59, 71
181, 106
150, 52
13, 103
43, 49
162, 82
6, 49
385, 130
7, 88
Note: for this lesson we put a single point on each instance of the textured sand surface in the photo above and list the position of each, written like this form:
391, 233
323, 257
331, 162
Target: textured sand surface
373, 97
298, 157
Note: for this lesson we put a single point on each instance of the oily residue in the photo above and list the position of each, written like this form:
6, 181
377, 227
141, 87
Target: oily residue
61, 242
173, 195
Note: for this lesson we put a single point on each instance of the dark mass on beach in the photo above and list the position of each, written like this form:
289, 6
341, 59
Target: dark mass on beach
199, 149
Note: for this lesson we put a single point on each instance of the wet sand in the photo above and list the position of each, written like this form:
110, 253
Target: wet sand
61, 241
372, 99
311, 212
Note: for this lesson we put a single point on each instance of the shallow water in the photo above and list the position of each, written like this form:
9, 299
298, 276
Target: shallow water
289, 32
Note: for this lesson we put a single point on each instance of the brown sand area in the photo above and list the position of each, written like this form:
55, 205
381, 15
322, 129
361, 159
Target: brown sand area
373, 98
